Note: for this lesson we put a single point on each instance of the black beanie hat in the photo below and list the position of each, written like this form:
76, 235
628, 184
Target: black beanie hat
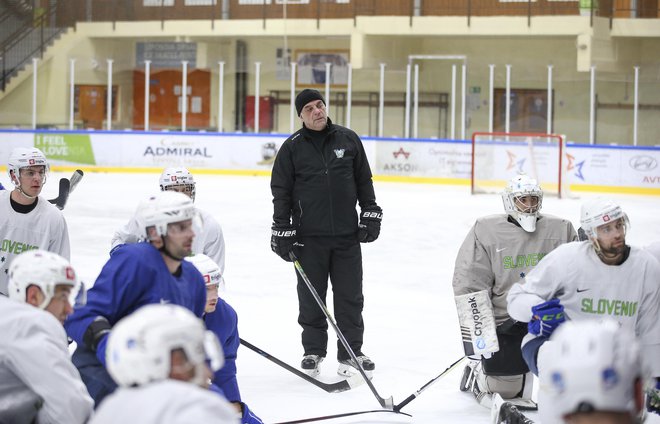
306, 96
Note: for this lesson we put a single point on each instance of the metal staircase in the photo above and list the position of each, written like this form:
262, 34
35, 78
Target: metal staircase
25, 32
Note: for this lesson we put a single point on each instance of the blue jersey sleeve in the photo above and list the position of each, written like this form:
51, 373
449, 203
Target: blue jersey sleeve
223, 322
114, 294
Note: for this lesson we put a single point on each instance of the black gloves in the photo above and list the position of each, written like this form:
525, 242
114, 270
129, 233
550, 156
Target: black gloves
282, 240
369, 226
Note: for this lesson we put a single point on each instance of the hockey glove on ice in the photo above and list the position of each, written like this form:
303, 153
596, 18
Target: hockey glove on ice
248, 416
546, 317
282, 240
369, 226
653, 398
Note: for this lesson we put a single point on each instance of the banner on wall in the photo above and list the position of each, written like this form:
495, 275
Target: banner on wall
586, 165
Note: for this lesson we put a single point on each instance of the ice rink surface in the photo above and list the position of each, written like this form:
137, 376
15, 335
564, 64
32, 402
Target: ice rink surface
410, 318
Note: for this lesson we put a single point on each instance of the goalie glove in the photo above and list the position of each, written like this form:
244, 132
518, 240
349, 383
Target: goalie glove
369, 226
282, 240
546, 317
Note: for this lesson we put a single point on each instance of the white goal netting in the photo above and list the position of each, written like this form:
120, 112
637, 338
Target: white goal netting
496, 157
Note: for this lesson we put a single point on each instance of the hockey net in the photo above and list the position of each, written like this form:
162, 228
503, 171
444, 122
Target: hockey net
497, 157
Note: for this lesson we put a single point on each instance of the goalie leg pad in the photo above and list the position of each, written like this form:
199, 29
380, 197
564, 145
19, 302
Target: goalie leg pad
475, 316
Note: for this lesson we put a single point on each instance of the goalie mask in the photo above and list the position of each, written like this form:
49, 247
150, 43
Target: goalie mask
45, 270
522, 199
140, 345
161, 209
209, 270
590, 366
22, 157
597, 212
178, 179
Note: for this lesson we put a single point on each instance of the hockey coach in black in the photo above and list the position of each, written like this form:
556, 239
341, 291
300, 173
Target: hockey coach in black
320, 173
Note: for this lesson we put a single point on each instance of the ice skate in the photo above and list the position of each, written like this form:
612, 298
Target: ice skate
347, 367
310, 364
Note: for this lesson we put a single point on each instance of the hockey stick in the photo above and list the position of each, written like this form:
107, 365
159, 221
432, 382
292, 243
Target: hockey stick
385, 403
66, 188
346, 414
340, 386
75, 179
409, 399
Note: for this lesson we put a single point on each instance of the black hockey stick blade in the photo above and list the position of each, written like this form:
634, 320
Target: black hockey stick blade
340, 386
406, 401
75, 179
65, 189
385, 403
346, 414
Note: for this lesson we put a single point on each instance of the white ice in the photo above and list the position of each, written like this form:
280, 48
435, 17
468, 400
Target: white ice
411, 329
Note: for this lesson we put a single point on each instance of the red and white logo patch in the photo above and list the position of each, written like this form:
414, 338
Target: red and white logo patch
70, 273
31, 161
606, 218
207, 279
173, 178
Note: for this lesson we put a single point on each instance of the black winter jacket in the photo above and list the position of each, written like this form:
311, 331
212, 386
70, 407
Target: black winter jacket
316, 190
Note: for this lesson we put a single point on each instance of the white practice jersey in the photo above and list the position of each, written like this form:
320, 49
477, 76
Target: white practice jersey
167, 401
209, 240
42, 228
496, 253
654, 249
34, 357
589, 289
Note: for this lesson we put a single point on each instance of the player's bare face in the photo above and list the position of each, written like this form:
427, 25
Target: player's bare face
32, 179
59, 304
612, 241
180, 236
211, 298
314, 115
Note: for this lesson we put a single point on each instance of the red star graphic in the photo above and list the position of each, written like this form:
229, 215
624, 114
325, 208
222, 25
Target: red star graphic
401, 152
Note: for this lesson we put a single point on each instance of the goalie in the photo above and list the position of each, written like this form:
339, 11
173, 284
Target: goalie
498, 251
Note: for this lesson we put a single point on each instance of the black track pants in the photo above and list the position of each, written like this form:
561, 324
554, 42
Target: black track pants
340, 258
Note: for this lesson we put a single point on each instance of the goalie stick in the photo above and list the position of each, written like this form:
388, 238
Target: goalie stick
385, 403
340, 386
66, 187
346, 414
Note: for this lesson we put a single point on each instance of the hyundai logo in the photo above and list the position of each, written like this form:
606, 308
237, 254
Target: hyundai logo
643, 163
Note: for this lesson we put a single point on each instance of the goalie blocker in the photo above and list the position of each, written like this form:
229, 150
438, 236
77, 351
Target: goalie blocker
497, 365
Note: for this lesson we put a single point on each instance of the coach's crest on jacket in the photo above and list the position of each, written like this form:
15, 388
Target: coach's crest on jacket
339, 153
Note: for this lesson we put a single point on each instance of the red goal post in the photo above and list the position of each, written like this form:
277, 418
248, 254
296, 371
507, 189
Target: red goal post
498, 156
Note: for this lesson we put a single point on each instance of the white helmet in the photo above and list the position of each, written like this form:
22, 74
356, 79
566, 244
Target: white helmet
600, 211
22, 157
178, 177
45, 270
140, 345
209, 270
162, 209
518, 187
589, 366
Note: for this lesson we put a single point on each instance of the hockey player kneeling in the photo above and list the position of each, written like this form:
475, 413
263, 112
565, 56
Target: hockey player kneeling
496, 253
601, 278
158, 356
